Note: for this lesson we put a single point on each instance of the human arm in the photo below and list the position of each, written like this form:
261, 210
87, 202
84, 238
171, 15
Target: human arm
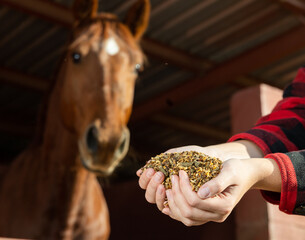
281, 131
281, 134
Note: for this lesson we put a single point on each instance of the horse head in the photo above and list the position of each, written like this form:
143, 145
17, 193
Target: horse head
97, 90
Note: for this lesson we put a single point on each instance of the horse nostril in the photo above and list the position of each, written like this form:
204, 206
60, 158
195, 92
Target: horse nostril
123, 145
91, 139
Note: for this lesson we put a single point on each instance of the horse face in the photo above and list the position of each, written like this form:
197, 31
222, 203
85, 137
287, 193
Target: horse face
97, 91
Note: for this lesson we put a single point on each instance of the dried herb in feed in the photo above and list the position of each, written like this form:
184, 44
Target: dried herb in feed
199, 167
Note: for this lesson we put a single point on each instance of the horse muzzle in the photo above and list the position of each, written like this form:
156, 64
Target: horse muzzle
102, 154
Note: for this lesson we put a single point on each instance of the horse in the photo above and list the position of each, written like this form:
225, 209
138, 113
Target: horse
51, 191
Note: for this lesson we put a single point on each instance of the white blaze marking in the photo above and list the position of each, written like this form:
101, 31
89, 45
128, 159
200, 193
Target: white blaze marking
112, 48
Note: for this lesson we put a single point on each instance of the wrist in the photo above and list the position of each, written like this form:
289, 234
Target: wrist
267, 174
241, 149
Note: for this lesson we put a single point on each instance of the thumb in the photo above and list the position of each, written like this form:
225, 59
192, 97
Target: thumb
215, 185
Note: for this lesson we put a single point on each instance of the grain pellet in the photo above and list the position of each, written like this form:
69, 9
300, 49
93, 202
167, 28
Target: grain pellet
199, 167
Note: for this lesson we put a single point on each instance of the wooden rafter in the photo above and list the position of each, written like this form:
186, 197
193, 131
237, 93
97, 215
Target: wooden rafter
297, 7
175, 56
43, 9
228, 71
23, 80
267, 53
56, 13
29, 47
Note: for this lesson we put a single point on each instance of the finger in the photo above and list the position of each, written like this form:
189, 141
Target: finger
177, 150
192, 210
186, 189
139, 172
181, 209
160, 197
166, 211
196, 218
216, 185
185, 148
179, 198
223, 203
146, 177
174, 211
152, 186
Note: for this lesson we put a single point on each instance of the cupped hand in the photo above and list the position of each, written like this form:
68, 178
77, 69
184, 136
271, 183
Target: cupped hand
151, 181
216, 199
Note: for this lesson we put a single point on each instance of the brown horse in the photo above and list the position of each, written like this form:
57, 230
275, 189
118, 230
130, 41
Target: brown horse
47, 193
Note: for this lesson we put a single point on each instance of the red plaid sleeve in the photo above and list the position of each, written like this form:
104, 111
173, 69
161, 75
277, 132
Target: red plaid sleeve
283, 131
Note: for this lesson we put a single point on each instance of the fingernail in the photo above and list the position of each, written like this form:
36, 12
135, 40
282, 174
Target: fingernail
168, 195
158, 176
182, 174
149, 173
204, 192
160, 190
173, 179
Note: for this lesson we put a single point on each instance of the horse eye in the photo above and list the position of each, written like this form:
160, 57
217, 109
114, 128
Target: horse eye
76, 57
138, 68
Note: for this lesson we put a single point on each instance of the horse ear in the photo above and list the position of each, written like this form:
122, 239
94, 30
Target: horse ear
84, 9
137, 18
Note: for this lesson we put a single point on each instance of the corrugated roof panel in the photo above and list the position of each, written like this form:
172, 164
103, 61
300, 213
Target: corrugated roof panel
9, 19
28, 58
212, 29
52, 47
109, 6
67, 3
255, 39
163, 78
180, 33
283, 71
17, 59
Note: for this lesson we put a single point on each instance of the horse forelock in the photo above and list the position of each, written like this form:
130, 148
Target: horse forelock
105, 26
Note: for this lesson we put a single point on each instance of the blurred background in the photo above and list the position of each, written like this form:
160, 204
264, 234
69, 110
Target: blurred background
200, 52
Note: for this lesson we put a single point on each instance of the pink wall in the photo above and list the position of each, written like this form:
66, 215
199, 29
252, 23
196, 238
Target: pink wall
256, 219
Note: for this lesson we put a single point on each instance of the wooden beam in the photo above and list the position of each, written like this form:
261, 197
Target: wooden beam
295, 6
267, 53
233, 32
262, 55
187, 13
13, 32
23, 80
45, 9
201, 26
14, 59
192, 127
175, 56
52, 56
56, 13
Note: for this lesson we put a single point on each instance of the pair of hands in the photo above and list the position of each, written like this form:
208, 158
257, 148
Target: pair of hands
216, 199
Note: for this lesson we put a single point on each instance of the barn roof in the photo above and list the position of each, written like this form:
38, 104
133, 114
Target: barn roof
200, 53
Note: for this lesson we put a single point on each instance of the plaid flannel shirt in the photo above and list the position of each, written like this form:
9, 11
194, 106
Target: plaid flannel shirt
281, 136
